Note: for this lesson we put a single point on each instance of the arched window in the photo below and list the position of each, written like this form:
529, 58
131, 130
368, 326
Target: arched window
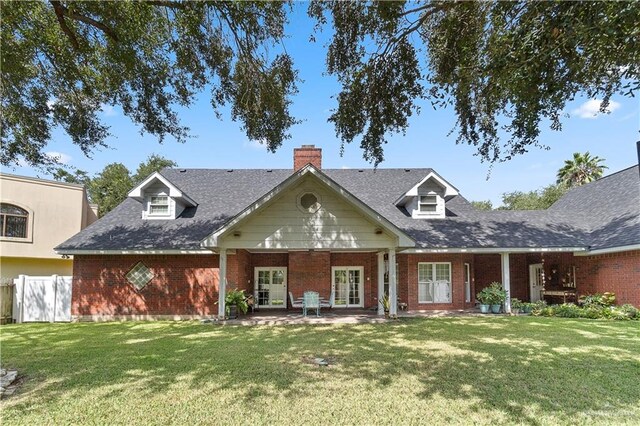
13, 220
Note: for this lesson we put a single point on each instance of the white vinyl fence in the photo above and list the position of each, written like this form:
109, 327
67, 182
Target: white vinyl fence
42, 299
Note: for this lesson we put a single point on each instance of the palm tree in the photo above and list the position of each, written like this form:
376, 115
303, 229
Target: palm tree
581, 169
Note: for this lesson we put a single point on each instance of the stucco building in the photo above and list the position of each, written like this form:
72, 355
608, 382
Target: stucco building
35, 216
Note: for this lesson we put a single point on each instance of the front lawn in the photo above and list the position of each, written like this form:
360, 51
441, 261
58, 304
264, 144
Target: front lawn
443, 370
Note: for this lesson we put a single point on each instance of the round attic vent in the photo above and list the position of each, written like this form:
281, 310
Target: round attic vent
308, 202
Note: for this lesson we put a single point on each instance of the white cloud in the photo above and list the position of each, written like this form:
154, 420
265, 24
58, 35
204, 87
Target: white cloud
591, 109
109, 110
59, 156
51, 102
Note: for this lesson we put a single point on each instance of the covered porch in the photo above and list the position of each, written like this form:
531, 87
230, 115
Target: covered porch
349, 282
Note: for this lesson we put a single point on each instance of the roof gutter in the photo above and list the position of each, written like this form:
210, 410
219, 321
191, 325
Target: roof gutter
495, 250
125, 252
609, 250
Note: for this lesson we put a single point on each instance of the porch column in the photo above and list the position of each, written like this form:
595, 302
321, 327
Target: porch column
222, 283
380, 281
393, 291
506, 281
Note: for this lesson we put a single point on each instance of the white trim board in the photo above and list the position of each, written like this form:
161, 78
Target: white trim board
496, 250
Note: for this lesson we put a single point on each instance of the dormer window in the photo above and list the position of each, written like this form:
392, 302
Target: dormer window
428, 203
426, 199
159, 205
160, 199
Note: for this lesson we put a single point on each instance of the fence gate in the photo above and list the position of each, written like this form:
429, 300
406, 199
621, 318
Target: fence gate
42, 299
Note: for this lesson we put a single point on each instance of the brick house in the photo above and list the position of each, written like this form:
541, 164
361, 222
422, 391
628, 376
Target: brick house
183, 236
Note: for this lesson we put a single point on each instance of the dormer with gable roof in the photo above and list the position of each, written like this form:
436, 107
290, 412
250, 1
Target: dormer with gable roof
160, 198
426, 199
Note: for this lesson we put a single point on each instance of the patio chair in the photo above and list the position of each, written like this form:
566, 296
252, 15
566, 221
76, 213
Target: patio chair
295, 303
311, 301
327, 303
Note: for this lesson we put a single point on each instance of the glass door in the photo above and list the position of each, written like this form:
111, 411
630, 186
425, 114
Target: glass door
348, 286
270, 287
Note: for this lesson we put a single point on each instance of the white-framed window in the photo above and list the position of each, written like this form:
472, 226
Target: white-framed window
434, 282
428, 204
158, 205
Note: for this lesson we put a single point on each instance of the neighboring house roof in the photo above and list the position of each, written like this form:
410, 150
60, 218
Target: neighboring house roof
222, 194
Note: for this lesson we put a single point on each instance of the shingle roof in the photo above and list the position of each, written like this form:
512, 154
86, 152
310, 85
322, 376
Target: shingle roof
608, 209
609, 219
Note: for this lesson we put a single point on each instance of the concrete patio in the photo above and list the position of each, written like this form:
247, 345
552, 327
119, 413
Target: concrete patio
333, 316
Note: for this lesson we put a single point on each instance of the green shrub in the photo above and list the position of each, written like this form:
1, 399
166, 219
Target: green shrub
593, 312
568, 310
598, 299
631, 311
625, 312
537, 307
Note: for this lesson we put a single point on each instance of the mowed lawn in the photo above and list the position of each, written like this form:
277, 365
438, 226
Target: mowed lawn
472, 370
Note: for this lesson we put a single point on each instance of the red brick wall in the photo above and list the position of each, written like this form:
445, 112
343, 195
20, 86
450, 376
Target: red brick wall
310, 271
182, 285
487, 269
457, 280
616, 272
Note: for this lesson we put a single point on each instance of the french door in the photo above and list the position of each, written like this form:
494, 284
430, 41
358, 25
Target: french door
270, 287
347, 286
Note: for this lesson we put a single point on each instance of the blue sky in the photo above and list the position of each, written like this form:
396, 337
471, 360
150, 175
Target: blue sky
221, 143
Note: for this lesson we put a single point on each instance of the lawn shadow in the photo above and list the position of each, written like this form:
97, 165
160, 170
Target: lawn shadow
519, 367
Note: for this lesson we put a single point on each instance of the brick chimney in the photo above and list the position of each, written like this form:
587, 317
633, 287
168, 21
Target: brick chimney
307, 154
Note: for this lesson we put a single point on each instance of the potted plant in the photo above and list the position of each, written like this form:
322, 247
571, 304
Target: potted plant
516, 306
498, 296
235, 301
385, 303
484, 298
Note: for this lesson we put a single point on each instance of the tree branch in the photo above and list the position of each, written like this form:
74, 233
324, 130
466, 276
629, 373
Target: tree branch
169, 4
63, 10
59, 10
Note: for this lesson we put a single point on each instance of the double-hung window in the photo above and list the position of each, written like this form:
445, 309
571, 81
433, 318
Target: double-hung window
158, 205
434, 282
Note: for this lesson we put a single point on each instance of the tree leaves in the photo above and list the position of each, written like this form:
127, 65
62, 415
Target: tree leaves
63, 61
507, 68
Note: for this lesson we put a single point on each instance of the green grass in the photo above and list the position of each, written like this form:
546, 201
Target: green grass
500, 370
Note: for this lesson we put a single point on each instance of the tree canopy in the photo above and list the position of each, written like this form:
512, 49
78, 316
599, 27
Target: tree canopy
533, 200
506, 68
63, 61
110, 187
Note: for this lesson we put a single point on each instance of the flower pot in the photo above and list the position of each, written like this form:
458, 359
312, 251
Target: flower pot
496, 308
233, 312
484, 309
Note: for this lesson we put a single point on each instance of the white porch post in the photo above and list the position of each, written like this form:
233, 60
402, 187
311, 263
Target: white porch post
380, 281
222, 283
393, 290
506, 281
